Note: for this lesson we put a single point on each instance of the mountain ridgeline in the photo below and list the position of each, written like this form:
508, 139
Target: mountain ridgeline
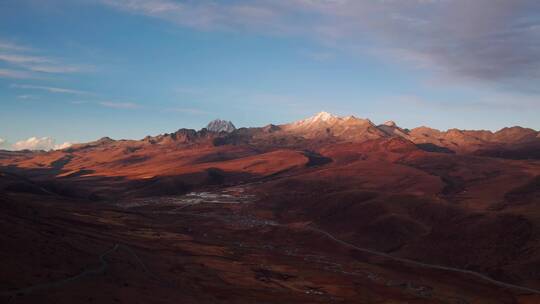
513, 142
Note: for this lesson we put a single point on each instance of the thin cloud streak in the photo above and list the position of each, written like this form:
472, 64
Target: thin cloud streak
9, 46
26, 96
50, 89
58, 69
17, 56
120, 105
16, 74
78, 102
22, 59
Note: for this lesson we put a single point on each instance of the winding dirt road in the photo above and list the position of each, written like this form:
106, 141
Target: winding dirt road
425, 265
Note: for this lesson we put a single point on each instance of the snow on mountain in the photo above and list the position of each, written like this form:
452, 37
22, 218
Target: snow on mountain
324, 124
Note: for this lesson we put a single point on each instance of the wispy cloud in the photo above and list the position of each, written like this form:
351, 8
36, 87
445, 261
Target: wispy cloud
78, 102
42, 64
50, 89
120, 105
492, 41
203, 14
16, 74
10, 46
503, 102
22, 59
58, 69
32, 65
108, 104
26, 96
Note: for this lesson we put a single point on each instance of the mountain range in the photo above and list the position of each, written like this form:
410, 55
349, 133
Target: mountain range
510, 142
338, 208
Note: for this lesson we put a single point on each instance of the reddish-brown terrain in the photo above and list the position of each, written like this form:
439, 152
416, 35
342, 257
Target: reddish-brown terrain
323, 210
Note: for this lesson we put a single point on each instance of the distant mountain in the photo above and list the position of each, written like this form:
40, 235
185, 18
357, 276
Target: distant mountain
472, 140
219, 125
324, 125
325, 128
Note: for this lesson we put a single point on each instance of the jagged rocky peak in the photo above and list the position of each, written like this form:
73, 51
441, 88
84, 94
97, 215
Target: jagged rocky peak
219, 125
391, 124
271, 128
105, 139
392, 129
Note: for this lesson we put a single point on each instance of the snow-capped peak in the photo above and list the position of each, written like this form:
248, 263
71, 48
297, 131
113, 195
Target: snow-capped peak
323, 116
318, 118
327, 120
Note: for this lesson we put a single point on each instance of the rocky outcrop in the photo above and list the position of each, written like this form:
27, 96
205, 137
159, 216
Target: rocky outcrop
219, 125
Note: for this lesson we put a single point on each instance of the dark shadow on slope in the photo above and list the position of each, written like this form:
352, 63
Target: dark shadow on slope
316, 159
222, 156
61, 162
528, 193
429, 147
518, 151
43, 181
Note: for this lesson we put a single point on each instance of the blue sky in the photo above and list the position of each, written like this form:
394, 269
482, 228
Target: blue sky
74, 71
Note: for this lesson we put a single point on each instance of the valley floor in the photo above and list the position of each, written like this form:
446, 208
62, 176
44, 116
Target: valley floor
208, 247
